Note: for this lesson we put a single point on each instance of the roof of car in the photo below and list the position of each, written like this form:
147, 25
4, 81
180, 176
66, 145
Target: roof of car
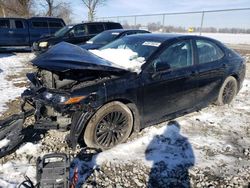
124, 30
162, 37
94, 23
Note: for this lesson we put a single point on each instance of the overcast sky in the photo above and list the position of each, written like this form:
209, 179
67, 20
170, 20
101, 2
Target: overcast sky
131, 7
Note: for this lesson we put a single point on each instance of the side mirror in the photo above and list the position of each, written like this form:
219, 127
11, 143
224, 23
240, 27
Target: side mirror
161, 66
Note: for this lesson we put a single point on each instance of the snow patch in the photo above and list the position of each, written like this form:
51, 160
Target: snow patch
10, 64
28, 148
121, 58
159, 144
228, 38
4, 142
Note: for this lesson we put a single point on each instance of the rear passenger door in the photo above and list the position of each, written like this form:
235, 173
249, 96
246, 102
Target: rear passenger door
212, 69
19, 32
5, 32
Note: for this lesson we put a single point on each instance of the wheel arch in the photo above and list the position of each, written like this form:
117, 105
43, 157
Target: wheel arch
236, 76
80, 121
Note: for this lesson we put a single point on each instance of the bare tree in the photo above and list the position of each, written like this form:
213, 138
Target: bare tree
21, 8
2, 8
56, 8
92, 6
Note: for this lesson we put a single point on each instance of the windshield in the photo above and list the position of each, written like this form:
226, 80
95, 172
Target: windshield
143, 47
61, 32
103, 38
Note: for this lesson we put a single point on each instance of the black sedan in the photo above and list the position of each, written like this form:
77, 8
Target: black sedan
105, 101
108, 36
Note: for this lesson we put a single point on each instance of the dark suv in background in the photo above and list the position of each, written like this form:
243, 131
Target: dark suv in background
74, 34
23, 32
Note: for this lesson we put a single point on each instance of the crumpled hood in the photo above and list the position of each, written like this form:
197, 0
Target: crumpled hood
64, 56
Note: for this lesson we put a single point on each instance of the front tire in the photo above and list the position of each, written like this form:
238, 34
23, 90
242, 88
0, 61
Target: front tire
110, 125
228, 91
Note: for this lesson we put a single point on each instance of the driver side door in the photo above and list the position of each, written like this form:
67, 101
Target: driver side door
173, 89
76, 35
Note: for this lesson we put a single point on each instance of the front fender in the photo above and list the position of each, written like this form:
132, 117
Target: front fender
79, 122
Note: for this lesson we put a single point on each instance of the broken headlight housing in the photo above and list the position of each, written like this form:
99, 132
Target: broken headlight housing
58, 98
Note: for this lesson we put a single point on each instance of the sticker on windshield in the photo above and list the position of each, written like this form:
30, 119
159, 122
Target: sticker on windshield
150, 43
89, 42
115, 33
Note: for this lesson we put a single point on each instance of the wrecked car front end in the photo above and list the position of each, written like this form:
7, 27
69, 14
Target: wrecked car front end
67, 88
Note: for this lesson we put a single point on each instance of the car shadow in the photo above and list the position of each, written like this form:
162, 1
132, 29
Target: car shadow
172, 156
4, 54
14, 50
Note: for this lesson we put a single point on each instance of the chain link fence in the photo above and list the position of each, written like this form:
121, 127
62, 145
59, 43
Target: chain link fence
215, 21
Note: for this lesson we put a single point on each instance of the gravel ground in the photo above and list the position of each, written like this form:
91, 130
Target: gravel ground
219, 137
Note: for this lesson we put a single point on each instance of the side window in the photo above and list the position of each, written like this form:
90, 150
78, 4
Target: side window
208, 51
4, 24
178, 55
39, 24
55, 24
113, 26
95, 28
19, 24
78, 30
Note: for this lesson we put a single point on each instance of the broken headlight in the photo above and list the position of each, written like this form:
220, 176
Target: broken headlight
55, 97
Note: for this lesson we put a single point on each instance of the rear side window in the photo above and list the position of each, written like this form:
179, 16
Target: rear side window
4, 24
55, 24
113, 26
39, 24
19, 24
95, 28
208, 51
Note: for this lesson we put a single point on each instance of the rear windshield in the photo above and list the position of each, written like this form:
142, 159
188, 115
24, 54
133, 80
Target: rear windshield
104, 37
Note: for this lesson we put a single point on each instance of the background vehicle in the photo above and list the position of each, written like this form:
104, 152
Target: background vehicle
23, 32
103, 102
106, 37
75, 34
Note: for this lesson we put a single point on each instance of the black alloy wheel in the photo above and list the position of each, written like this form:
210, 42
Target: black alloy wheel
111, 125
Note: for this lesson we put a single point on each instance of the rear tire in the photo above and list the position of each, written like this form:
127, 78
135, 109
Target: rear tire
228, 91
111, 125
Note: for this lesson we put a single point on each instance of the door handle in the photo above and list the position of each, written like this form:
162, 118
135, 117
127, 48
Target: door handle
11, 32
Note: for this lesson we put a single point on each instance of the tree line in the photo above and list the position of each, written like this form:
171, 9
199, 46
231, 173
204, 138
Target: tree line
158, 27
54, 8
